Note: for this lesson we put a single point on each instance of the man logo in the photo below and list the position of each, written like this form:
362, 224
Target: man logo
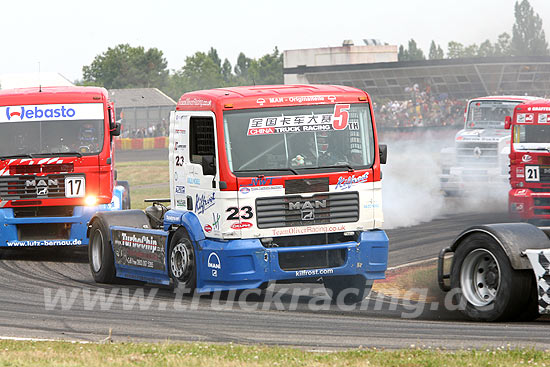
307, 208
41, 186
477, 152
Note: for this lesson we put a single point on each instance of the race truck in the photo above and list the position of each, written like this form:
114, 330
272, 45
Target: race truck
529, 198
56, 164
479, 159
267, 183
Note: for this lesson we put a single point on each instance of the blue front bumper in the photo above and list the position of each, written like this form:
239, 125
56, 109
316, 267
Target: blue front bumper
78, 222
243, 264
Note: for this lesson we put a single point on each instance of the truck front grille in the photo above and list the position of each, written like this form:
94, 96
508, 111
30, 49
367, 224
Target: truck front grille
474, 153
296, 210
32, 187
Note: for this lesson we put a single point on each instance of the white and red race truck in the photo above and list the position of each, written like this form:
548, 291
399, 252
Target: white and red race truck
529, 198
502, 271
479, 158
267, 183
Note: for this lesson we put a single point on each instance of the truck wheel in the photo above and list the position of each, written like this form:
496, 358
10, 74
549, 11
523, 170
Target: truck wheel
182, 262
489, 289
349, 289
100, 253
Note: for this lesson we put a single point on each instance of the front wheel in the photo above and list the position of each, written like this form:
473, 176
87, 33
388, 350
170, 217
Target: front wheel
348, 290
182, 262
100, 253
488, 288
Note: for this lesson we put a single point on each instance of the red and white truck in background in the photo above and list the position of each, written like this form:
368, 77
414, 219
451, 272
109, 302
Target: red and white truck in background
529, 198
267, 183
56, 164
479, 159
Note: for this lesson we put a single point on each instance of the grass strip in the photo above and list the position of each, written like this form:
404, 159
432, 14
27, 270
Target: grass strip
28, 353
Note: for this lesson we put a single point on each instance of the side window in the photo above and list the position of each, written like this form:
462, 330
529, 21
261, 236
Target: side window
201, 144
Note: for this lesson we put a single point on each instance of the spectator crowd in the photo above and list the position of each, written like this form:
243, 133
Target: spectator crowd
422, 109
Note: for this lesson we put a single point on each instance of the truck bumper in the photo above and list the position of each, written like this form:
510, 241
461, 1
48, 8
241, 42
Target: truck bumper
461, 180
74, 227
11, 233
525, 204
244, 264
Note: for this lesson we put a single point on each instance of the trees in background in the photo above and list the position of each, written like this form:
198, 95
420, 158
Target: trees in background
132, 67
411, 53
124, 66
528, 39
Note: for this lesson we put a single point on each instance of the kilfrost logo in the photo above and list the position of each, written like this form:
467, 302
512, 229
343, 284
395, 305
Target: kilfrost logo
39, 113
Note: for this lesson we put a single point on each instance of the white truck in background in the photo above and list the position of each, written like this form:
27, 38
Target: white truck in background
479, 159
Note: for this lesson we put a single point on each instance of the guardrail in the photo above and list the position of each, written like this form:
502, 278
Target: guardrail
141, 143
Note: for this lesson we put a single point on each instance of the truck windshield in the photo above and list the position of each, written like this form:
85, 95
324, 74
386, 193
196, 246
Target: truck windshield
301, 137
489, 114
47, 137
532, 133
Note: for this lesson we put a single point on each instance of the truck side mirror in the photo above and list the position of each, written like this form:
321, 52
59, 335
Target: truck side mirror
115, 131
507, 122
208, 166
383, 149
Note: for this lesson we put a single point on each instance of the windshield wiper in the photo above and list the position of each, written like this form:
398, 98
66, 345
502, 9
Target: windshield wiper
350, 168
269, 169
64, 154
23, 155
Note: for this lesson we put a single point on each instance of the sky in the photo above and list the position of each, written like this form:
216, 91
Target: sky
63, 36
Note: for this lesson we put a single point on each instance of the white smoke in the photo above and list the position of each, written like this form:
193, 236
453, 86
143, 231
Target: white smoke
410, 185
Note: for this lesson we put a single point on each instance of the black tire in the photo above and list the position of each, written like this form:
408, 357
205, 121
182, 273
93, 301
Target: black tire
531, 309
100, 252
492, 289
355, 287
126, 200
182, 262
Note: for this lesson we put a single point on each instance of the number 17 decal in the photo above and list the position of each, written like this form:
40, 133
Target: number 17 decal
341, 116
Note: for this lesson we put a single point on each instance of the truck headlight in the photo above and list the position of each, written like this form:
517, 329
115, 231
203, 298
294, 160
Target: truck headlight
90, 200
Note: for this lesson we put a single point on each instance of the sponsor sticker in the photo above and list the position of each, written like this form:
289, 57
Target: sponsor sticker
204, 202
345, 183
208, 228
241, 225
180, 190
77, 111
75, 242
144, 250
214, 263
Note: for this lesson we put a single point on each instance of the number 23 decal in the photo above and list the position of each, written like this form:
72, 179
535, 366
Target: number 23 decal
244, 213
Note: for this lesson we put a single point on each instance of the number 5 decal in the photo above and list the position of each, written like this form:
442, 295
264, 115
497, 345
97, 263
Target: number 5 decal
341, 116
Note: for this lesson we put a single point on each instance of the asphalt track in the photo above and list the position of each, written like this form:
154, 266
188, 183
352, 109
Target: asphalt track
32, 277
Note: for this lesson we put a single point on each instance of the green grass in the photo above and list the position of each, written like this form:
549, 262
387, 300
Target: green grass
148, 180
143, 173
138, 194
25, 353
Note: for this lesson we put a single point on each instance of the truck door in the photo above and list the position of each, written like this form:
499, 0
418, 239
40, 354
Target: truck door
194, 167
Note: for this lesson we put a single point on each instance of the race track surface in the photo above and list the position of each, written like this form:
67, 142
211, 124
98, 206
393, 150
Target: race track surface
32, 278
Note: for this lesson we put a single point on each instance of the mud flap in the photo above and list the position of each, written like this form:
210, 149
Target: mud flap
540, 261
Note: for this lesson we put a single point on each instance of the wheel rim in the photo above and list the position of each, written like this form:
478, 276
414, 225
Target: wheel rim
181, 262
97, 250
480, 277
